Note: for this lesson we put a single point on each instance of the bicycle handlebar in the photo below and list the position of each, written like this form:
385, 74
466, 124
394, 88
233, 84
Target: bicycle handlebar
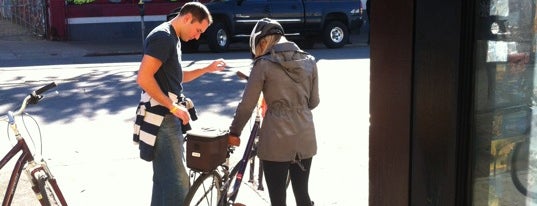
242, 75
44, 89
33, 98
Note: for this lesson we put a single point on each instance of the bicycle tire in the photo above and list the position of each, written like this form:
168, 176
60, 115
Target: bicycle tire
519, 176
205, 190
46, 190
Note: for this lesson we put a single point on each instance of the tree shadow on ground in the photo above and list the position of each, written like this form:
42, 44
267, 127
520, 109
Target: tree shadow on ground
109, 92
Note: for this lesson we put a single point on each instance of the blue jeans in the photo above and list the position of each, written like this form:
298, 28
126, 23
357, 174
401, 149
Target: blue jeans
170, 179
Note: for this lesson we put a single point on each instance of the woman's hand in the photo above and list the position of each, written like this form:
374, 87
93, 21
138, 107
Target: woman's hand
234, 140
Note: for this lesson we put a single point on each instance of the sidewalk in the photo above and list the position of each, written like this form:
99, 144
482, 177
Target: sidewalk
24, 47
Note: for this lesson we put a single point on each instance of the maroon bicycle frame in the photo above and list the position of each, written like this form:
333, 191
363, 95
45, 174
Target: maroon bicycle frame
25, 157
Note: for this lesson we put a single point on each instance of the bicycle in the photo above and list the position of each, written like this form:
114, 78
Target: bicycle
43, 183
221, 185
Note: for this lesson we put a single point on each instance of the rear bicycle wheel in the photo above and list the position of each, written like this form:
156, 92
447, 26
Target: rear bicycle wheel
205, 190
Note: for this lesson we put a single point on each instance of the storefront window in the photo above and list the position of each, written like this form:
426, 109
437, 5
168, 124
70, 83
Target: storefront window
505, 116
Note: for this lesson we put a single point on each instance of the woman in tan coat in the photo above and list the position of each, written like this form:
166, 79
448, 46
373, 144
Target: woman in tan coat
287, 77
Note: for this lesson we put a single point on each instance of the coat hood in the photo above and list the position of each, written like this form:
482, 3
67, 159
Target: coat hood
296, 63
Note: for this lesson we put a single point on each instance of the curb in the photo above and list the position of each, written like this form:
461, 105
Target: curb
112, 53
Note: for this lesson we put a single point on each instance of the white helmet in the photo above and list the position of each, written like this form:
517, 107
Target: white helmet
263, 28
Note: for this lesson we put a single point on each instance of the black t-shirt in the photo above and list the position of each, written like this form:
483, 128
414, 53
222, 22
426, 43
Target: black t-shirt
163, 44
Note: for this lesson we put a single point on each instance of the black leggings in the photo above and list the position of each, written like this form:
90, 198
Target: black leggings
276, 175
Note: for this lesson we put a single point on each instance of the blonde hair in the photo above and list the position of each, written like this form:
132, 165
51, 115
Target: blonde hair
269, 41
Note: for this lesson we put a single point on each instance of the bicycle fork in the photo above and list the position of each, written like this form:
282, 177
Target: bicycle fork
40, 174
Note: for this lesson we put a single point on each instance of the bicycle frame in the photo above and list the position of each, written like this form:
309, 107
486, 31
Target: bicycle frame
15, 175
237, 172
25, 157
37, 172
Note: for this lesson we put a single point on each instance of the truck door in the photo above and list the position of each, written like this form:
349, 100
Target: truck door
290, 13
247, 13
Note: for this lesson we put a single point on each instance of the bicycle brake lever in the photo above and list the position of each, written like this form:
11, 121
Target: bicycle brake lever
35, 96
34, 99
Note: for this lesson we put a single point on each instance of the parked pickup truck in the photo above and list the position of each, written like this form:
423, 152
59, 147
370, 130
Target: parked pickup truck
304, 21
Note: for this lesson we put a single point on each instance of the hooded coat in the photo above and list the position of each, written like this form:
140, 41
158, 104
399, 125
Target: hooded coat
287, 78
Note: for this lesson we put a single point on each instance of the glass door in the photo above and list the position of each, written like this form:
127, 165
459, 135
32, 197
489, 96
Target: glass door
504, 112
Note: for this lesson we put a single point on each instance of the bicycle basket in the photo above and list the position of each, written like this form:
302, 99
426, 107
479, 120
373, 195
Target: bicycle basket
206, 149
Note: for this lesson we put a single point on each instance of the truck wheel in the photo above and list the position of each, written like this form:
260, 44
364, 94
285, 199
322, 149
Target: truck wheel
335, 35
190, 46
218, 37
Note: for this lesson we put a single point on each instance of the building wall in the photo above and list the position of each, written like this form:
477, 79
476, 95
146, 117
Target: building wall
127, 27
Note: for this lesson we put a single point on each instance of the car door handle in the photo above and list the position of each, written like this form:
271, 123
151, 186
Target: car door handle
241, 16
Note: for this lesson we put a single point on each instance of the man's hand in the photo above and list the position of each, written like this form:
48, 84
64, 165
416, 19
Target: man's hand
181, 112
217, 65
234, 140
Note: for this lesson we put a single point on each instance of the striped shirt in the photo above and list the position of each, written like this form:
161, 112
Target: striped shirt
149, 116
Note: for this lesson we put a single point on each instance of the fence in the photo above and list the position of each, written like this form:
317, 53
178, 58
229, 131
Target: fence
23, 18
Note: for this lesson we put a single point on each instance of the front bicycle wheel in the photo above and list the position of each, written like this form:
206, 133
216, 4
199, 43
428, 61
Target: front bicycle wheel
48, 196
205, 190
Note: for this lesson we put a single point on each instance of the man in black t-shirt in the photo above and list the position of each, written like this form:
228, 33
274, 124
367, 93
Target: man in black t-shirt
160, 77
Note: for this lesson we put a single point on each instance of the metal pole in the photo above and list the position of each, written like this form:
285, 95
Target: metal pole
142, 12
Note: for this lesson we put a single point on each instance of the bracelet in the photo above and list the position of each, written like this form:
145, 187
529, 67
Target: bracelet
174, 108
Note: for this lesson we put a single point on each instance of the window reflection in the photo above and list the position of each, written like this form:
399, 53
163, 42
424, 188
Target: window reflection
505, 121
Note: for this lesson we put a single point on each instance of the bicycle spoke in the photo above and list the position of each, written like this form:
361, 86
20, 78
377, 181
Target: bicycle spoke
205, 190
207, 195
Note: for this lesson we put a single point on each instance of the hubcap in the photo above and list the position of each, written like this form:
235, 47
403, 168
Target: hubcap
222, 37
336, 34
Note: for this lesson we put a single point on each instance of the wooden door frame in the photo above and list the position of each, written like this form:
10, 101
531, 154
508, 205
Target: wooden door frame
421, 68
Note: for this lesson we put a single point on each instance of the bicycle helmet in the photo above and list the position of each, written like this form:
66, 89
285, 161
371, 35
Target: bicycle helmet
263, 28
